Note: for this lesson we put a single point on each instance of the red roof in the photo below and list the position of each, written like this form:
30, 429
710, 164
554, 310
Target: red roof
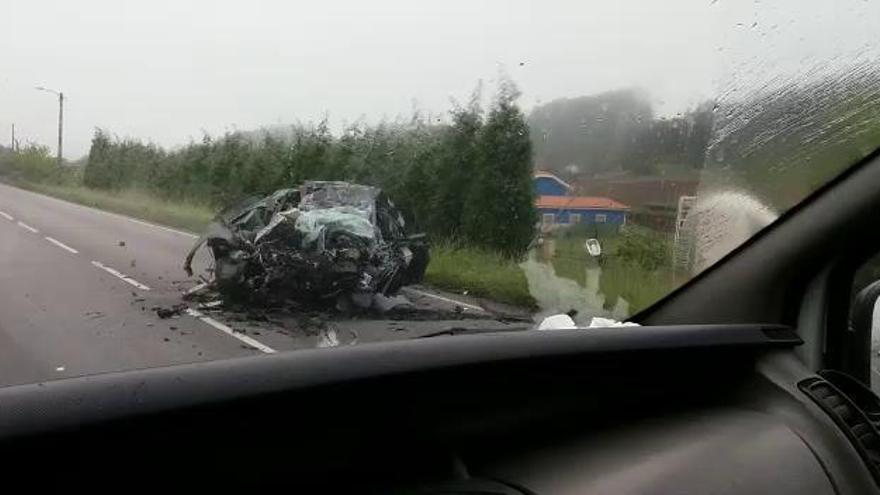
579, 203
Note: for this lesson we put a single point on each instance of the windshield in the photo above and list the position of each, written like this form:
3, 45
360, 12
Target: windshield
190, 181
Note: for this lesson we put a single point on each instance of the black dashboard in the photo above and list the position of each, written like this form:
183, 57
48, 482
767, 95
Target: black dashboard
690, 409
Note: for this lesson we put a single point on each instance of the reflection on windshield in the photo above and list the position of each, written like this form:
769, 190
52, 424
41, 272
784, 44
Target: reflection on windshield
695, 185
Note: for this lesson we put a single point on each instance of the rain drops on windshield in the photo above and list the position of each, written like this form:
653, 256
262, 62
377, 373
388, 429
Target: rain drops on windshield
185, 184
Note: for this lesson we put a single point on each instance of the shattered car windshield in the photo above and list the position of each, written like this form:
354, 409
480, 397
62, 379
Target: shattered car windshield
181, 183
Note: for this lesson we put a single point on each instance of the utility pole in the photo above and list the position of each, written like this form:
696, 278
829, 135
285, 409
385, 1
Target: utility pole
60, 118
60, 125
12, 144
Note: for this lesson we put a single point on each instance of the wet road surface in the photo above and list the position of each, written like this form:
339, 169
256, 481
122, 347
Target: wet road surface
79, 288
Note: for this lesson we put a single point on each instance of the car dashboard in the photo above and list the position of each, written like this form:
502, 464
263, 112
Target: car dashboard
688, 409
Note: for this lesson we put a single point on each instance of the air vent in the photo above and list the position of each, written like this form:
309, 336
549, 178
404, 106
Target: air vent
854, 423
863, 397
782, 334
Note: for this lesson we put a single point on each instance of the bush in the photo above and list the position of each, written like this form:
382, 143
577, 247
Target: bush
642, 247
32, 163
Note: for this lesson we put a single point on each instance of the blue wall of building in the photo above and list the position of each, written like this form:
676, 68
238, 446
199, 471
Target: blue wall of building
563, 217
545, 186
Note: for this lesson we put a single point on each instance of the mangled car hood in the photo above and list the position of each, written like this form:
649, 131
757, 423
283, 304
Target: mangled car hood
319, 242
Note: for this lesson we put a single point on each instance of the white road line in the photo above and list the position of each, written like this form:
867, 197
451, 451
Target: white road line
6, 216
446, 299
162, 227
62, 245
225, 329
27, 227
120, 275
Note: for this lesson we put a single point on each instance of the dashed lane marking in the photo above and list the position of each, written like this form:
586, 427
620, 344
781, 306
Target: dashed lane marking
27, 227
61, 245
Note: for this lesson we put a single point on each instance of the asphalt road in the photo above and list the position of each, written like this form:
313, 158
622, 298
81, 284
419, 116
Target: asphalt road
79, 288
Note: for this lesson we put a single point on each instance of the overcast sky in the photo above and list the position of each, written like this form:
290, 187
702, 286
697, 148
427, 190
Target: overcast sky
167, 70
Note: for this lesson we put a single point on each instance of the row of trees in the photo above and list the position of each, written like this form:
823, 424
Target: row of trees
468, 181
617, 131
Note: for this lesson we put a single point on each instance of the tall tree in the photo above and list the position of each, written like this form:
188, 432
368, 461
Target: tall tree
456, 167
97, 173
500, 212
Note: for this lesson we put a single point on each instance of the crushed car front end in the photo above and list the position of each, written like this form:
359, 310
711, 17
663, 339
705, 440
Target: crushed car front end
322, 242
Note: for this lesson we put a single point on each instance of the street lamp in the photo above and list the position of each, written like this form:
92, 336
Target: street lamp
60, 116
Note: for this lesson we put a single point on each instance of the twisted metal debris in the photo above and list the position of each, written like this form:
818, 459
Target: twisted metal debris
321, 242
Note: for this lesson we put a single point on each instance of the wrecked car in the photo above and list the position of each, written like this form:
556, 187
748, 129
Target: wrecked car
330, 242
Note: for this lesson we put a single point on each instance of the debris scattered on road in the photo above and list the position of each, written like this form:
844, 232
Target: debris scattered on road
93, 315
121, 243
172, 328
59, 368
330, 243
166, 339
328, 338
175, 310
194, 290
134, 263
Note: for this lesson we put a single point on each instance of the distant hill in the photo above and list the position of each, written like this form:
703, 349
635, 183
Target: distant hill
615, 131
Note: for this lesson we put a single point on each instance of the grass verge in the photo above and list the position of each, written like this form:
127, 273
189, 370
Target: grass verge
481, 273
139, 204
641, 288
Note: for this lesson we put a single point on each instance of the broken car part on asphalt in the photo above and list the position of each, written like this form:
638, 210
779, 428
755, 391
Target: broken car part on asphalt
322, 242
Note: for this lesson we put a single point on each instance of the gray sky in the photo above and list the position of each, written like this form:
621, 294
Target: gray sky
166, 70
